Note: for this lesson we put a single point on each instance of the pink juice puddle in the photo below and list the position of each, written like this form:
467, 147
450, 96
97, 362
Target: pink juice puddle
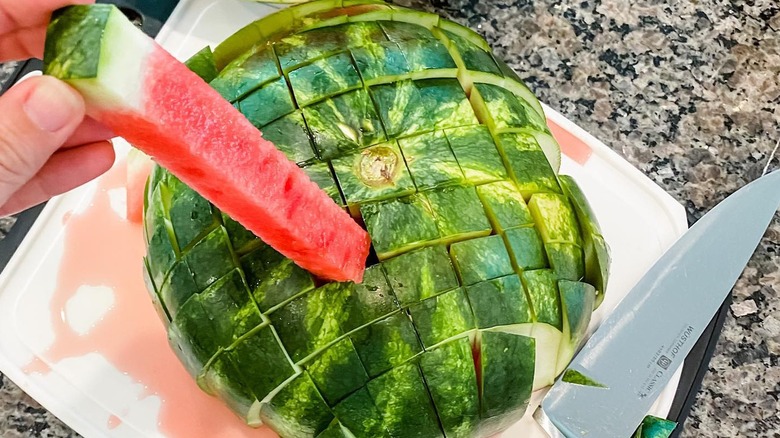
571, 145
102, 248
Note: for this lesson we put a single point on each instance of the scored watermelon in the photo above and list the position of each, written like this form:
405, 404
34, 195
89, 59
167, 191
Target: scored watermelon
139, 165
133, 86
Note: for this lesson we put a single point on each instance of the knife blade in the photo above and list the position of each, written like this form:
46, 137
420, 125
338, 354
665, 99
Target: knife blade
641, 344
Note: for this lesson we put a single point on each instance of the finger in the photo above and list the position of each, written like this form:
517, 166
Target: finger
65, 170
90, 131
38, 116
22, 44
15, 14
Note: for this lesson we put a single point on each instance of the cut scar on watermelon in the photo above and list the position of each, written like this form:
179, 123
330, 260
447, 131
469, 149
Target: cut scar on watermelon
143, 94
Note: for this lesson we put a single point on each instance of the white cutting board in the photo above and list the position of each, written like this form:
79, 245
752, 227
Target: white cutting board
77, 330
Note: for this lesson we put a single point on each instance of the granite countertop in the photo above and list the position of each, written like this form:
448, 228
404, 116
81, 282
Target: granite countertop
685, 91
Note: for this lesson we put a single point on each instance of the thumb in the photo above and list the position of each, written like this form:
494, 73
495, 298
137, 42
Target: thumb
36, 117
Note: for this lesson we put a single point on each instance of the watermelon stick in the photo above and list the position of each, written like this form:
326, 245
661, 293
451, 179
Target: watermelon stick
133, 86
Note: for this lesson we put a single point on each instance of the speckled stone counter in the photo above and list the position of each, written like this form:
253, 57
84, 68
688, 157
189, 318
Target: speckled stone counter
685, 91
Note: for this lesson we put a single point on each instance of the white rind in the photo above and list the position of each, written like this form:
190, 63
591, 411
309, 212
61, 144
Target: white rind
120, 79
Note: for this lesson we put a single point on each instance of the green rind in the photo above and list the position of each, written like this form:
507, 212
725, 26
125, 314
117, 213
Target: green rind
481, 259
386, 344
312, 321
297, 410
542, 288
420, 274
507, 362
203, 64
577, 378
337, 372
654, 427
505, 205
452, 382
403, 401
72, 38
442, 317
498, 302
597, 259
399, 225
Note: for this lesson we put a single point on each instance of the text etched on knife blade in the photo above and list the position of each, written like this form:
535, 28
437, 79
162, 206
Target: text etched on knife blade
662, 360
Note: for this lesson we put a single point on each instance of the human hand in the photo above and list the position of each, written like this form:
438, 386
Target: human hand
47, 143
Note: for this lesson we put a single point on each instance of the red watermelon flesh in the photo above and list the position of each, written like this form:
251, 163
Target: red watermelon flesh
156, 103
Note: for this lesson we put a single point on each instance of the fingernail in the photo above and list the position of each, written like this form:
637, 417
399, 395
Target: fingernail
53, 105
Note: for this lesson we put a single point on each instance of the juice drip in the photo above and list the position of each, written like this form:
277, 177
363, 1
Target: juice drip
571, 145
102, 248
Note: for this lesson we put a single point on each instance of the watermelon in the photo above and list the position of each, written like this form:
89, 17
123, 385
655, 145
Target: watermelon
139, 165
143, 94
485, 263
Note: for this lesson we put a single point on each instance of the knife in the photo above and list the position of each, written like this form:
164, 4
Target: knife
637, 349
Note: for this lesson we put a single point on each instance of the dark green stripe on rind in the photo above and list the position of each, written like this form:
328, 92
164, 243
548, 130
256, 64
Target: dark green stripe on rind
431, 161
369, 300
240, 238
324, 78
566, 260
160, 248
73, 37
451, 379
359, 414
507, 362
505, 205
210, 258
268, 103
297, 410
273, 278
312, 321
322, 175
334, 430
476, 154
378, 61
246, 73
202, 63
458, 213
230, 308
403, 402
190, 214
190, 335
338, 371
386, 343
481, 259
260, 347
442, 317
399, 31
420, 274
525, 248
222, 379
504, 109
177, 288
410, 107
399, 225
527, 164
542, 288
501, 301
473, 57
291, 136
